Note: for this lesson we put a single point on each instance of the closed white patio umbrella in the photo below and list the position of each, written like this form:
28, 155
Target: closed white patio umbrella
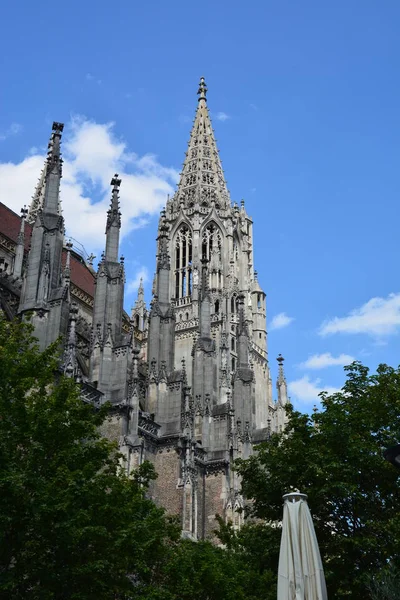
300, 571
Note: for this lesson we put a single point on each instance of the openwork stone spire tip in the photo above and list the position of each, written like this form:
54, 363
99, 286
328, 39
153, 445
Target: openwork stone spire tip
202, 91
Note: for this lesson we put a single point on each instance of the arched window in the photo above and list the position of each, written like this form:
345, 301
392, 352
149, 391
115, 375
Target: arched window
211, 241
216, 306
183, 263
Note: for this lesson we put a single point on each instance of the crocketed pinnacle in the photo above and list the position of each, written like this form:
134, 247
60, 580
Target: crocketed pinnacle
281, 373
113, 214
113, 222
47, 192
202, 180
140, 296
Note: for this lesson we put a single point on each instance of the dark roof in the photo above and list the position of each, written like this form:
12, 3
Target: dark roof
220, 409
10, 224
81, 275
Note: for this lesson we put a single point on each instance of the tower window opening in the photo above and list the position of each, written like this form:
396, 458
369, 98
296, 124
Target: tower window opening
233, 344
190, 282
258, 301
211, 240
183, 284
216, 306
233, 305
183, 262
233, 364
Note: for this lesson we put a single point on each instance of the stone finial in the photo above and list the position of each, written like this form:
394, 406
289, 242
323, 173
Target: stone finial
53, 154
90, 259
21, 234
115, 182
202, 91
57, 127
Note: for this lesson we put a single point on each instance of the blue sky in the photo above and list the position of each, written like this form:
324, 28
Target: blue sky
304, 98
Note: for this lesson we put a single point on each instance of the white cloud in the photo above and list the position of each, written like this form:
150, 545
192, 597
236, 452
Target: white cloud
281, 320
13, 129
305, 390
91, 77
141, 275
221, 116
377, 317
92, 154
320, 361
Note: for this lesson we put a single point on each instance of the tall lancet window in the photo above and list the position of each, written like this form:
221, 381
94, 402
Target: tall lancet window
212, 251
183, 262
211, 242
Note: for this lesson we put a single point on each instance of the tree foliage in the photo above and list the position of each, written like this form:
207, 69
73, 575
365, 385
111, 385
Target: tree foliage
335, 457
72, 525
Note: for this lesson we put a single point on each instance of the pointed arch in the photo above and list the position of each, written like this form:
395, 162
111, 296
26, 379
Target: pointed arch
182, 261
211, 240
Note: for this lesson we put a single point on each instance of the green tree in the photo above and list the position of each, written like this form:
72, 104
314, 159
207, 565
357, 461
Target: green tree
203, 571
385, 586
335, 457
72, 525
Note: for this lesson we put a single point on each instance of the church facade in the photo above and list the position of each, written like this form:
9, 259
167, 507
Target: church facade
188, 377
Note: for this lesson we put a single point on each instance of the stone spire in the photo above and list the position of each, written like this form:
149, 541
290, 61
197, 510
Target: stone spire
51, 200
113, 222
139, 310
281, 383
19, 252
47, 191
202, 180
163, 263
140, 296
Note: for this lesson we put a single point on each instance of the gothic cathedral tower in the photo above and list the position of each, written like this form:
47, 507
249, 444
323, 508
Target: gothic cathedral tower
209, 380
188, 381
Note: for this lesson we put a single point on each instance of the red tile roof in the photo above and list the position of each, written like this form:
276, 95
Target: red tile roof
10, 224
81, 275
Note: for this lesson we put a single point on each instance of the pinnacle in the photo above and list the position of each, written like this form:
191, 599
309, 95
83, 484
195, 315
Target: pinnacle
202, 91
